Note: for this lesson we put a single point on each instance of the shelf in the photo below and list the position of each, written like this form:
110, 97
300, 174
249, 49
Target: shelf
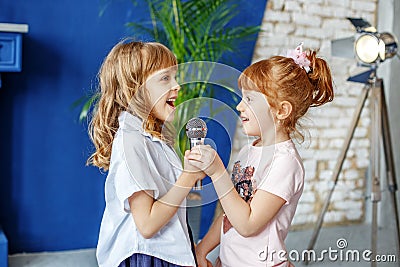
12, 27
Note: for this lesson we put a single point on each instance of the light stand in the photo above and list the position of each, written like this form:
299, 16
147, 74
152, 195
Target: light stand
380, 136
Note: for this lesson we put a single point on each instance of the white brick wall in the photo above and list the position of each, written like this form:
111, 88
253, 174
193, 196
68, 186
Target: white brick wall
316, 23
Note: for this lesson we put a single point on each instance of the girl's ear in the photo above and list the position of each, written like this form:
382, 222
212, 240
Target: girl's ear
284, 110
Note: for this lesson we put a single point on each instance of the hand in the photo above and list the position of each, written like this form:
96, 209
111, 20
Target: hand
202, 260
205, 158
218, 262
194, 172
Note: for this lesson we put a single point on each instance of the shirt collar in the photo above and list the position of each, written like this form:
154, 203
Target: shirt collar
129, 121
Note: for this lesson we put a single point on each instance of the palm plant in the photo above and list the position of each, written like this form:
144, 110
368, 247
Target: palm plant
195, 31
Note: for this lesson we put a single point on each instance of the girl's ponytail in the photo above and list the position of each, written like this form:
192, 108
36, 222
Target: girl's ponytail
321, 79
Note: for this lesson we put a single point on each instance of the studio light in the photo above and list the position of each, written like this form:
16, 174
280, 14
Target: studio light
373, 47
370, 48
367, 45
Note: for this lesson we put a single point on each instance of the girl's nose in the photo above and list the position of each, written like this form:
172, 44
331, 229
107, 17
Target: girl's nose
239, 107
176, 86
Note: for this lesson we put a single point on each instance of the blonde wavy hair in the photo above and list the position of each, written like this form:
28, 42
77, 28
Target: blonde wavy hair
279, 78
121, 78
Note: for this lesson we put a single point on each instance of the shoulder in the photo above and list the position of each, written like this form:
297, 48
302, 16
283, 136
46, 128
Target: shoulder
130, 134
286, 153
132, 145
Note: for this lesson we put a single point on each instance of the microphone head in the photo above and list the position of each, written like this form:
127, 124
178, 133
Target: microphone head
196, 128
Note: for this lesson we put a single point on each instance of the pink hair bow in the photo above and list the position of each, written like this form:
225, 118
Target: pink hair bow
299, 57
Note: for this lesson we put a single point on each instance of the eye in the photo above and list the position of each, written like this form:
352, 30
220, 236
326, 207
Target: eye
165, 78
248, 99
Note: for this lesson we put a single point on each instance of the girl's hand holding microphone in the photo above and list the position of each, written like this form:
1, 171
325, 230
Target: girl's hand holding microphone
205, 158
202, 261
192, 170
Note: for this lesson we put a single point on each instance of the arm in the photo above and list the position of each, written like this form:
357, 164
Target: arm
247, 219
151, 215
209, 242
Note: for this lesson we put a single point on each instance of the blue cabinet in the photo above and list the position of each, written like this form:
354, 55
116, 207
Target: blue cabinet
10, 51
3, 249
11, 47
10, 61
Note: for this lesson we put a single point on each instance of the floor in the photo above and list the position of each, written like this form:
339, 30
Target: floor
357, 238
335, 246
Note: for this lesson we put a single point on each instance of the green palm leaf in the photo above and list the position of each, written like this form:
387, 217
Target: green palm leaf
194, 30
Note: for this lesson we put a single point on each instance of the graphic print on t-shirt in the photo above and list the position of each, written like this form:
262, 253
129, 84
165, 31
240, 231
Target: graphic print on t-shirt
244, 184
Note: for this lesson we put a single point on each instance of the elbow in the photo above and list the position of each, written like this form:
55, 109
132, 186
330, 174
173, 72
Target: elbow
248, 231
146, 232
147, 235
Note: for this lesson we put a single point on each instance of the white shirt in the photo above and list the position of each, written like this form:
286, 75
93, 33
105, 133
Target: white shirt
140, 162
277, 169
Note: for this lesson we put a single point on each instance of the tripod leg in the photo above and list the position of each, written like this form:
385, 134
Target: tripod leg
338, 167
391, 175
376, 126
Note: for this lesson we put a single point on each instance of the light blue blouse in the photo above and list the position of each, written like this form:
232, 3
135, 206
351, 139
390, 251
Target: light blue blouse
140, 161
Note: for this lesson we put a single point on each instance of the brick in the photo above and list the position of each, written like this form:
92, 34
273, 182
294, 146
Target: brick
348, 205
305, 208
313, 32
352, 174
338, 195
341, 12
325, 175
347, 164
361, 143
267, 28
308, 197
343, 122
265, 52
362, 163
363, 6
336, 143
333, 216
292, 6
337, 24
354, 215
318, 10
312, 1
346, 101
277, 4
340, 3
334, 133
299, 219
307, 20
285, 28
361, 132
309, 43
275, 16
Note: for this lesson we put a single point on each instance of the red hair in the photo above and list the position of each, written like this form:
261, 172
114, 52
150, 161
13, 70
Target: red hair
281, 79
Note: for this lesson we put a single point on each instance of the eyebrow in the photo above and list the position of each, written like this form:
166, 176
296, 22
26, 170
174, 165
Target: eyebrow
163, 73
249, 93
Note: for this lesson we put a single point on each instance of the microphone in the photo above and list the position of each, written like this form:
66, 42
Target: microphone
196, 131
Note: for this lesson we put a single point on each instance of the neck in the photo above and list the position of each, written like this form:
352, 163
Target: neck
266, 140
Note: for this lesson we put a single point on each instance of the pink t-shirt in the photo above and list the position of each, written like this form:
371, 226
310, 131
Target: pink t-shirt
277, 169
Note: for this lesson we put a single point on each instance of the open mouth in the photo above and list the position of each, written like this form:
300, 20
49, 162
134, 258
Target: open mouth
244, 119
171, 102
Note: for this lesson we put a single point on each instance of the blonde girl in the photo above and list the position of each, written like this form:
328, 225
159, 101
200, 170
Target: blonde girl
144, 221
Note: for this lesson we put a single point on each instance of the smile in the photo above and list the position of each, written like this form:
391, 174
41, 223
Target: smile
244, 119
171, 102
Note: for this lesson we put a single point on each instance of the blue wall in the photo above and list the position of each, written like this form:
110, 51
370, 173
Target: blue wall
49, 199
